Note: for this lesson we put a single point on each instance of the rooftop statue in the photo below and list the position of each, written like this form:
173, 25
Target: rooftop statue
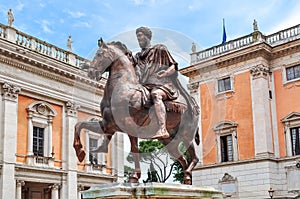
144, 99
10, 17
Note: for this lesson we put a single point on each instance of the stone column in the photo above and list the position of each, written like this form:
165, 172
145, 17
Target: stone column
80, 188
9, 138
71, 120
195, 93
30, 134
117, 156
19, 189
54, 191
261, 111
50, 145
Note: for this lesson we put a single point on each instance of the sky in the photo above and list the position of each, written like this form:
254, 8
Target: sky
198, 21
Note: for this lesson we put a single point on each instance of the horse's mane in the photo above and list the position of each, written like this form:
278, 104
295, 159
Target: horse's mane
121, 46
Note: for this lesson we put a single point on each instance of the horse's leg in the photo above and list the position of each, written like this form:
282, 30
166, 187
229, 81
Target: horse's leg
92, 126
172, 147
194, 160
134, 178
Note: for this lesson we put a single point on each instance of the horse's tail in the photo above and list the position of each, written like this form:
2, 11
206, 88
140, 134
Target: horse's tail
197, 137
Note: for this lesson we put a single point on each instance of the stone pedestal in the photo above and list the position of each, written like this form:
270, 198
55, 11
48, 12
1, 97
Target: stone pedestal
151, 190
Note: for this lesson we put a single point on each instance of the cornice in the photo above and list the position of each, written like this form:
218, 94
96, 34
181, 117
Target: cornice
48, 68
256, 50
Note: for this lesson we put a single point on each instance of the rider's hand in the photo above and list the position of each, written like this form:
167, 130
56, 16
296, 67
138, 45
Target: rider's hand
162, 73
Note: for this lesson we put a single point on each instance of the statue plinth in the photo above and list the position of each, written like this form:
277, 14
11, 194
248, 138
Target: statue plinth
151, 190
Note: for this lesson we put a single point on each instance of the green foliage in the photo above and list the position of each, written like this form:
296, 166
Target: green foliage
152, 152
127, 171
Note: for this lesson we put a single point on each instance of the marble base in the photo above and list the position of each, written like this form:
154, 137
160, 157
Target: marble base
150, 190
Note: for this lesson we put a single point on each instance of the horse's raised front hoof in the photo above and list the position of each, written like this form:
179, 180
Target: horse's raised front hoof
80, 155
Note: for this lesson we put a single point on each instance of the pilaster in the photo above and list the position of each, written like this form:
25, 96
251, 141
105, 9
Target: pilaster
118, 156
195, 93
71, 120
19, 185
9, 138
263, 139
11, 34
54, 191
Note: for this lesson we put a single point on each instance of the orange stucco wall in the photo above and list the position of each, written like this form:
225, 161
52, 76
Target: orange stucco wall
287, 101
237, 107
22, 137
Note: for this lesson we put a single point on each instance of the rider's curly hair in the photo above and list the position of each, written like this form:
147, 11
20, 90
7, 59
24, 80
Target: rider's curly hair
146, 31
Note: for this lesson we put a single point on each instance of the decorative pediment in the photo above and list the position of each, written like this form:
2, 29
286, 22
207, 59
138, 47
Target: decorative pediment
227, 178
224, 125
41, 108
291, 117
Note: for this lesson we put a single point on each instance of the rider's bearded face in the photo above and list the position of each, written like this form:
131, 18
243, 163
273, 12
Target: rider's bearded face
143, 40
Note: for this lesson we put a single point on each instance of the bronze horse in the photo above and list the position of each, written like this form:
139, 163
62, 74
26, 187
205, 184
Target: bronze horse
122, 111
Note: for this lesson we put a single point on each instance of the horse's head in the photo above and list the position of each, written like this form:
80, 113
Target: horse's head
106, 55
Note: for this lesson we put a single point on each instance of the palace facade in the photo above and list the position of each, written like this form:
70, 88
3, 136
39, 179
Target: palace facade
44, 93
249, 95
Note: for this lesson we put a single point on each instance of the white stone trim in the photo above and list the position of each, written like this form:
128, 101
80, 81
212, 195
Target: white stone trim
292, 120
283, 68
225, 128
226, 91
100, 167
40, 114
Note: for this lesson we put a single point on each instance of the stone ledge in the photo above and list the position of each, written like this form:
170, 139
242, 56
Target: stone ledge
151, 190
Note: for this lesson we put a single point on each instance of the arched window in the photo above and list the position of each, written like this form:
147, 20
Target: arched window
226, 137
95, 162
40, 116
292, 133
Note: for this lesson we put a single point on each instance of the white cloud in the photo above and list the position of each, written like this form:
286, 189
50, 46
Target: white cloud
45, 25
20, 6
292, 19
73, 14
82, 24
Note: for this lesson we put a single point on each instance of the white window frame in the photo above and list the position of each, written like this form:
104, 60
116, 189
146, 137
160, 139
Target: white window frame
40, 114
100, 156
225, 128
284, 78
290, 121
226, 91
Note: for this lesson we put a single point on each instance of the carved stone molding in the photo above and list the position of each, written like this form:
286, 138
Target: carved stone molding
20, 183
54, 187
10, 92
227, 178
80, 187
260, 71
71, 109
193, 87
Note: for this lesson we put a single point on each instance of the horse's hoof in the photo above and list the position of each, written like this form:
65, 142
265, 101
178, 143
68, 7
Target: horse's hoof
80, 155
133, 179
187, 179
100, 149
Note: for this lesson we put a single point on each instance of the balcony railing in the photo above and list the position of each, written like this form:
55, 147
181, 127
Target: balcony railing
273, 40
32, 43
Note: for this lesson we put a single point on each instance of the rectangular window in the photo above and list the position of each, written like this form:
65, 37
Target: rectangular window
226, 148
224, 84
93, 143
293, 72
38, 141
295, 138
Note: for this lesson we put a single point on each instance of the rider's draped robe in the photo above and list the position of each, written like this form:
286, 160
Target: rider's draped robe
149, 62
